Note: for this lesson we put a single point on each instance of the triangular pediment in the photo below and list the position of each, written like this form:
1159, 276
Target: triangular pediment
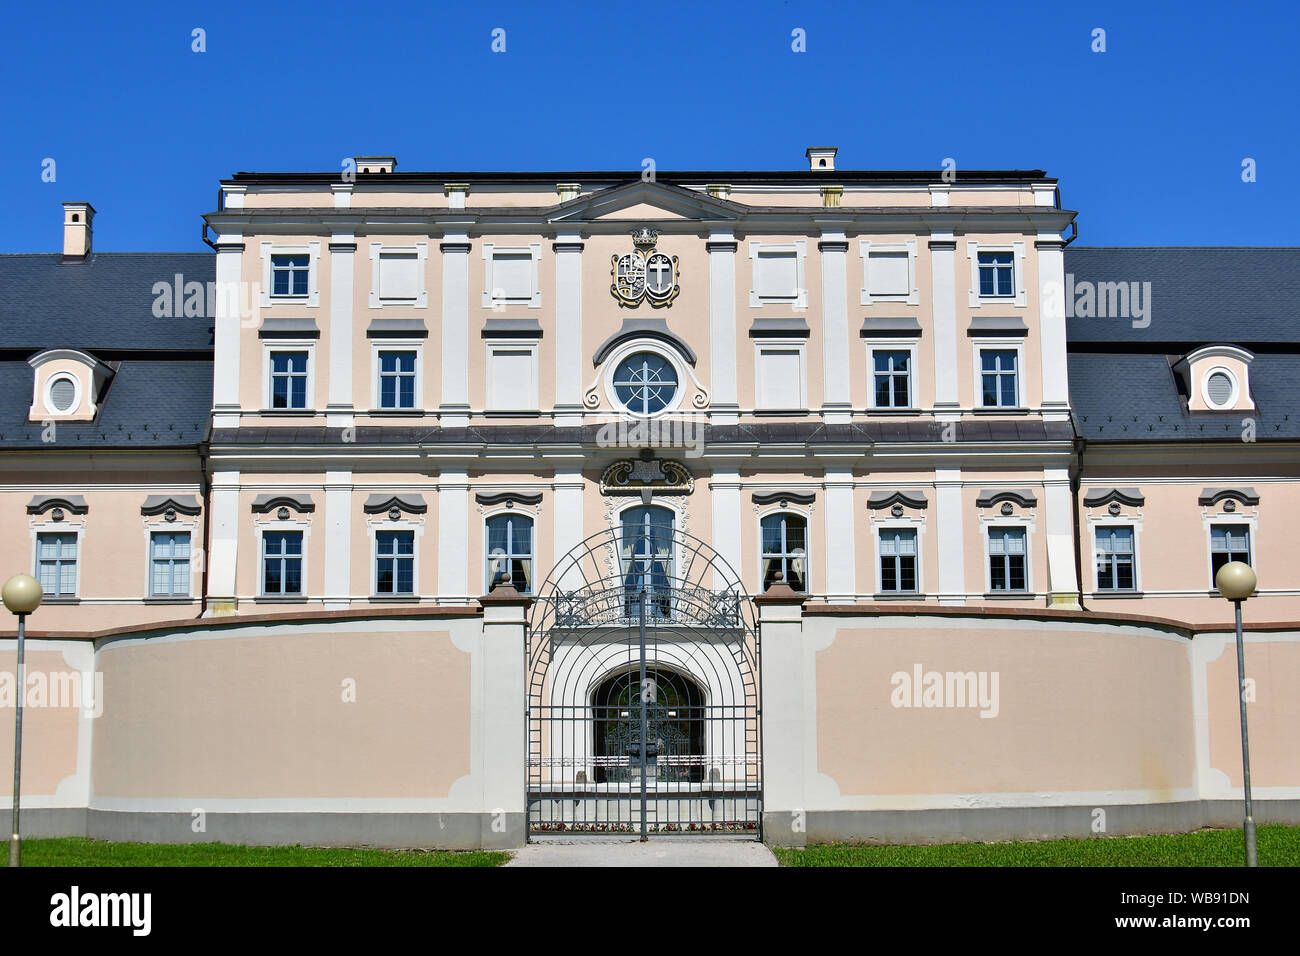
645, 201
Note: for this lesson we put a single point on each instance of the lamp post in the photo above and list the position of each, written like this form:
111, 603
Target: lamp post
1236, 582
21, 595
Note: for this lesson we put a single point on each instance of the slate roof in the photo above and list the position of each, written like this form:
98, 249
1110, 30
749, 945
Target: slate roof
1135, 397
1248, 296
151, 404
102, 304
1122, 384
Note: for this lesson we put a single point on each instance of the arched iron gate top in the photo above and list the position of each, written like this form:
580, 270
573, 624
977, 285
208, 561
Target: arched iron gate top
644, 604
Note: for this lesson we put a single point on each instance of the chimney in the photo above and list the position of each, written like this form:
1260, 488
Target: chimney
821, 158
375, 164
77, 217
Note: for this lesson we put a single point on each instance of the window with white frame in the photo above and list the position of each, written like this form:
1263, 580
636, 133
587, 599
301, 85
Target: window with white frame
999, 387
997, 273
512, 377
1007, 557
169, 564
1115, 558
395, 562
281, 563
1228, 542
892, 378
898, 560
888, 272
511, 275
397, 378
785, 550
645, 383
397, 275
781, 375
510, 551
56, 563
290, 275
778, 274
288, 387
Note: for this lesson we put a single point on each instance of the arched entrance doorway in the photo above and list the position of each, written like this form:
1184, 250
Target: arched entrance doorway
643, 689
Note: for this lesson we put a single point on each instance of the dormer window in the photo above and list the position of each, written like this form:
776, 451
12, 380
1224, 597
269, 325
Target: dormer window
1216, 379
66, 385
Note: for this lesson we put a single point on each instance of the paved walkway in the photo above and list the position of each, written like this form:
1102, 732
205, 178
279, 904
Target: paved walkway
664, 852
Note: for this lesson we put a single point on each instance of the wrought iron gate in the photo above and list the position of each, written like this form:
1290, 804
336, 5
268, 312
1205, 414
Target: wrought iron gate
643, 689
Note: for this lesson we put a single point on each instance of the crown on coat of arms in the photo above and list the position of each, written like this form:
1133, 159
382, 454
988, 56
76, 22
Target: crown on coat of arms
645, 236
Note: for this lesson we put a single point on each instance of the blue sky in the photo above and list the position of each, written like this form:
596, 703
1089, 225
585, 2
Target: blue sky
1147, 138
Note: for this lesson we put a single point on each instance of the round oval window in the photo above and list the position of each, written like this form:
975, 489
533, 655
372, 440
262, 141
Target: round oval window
63, 392
1219, 389
645, 383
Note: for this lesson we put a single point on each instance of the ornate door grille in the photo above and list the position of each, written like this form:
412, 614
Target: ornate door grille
643, 690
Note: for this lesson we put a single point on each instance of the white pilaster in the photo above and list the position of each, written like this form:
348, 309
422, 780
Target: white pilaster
839, 555
339, 401
950, 518
725, 490
724, 404
225, 542
453, 537
1062, 571
568, 330
943, 287
502, 746
232, 298
454, 411
568, 533
837, 398
338, 540
787, 693
1051, 322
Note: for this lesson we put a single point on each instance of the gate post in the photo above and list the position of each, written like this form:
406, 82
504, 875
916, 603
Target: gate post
503, 753
785, 715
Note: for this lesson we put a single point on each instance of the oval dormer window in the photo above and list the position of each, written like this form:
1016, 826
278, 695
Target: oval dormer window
1218, 389
63, 393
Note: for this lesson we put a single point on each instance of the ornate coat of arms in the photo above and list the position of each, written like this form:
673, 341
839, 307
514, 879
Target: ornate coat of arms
644, 273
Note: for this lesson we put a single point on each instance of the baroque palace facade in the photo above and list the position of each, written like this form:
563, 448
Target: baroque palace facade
395, 411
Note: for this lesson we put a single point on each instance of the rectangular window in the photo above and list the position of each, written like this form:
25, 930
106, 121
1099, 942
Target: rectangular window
397, 379
998, 378
1007, 559
996, 274
1115, 559
289, 274
887, 273
1228, 542
169, 564
281, 562
780, 378
56, 564
510, 552
511, 379
897, 559
399, 276
395, 562
288, 379
893, 372
512, 275
776, 275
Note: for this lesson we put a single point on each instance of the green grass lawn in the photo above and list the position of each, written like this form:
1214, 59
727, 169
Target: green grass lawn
1278, 846
79, 851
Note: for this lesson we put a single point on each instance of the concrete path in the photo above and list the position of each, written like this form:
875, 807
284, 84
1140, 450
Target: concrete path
665, 852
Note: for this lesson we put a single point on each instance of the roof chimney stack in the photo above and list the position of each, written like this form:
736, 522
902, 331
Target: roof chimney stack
77, 217
375, 164
821, 158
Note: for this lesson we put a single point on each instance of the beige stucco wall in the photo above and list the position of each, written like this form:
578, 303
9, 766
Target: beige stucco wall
223, 716
51, 729
1078, 710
